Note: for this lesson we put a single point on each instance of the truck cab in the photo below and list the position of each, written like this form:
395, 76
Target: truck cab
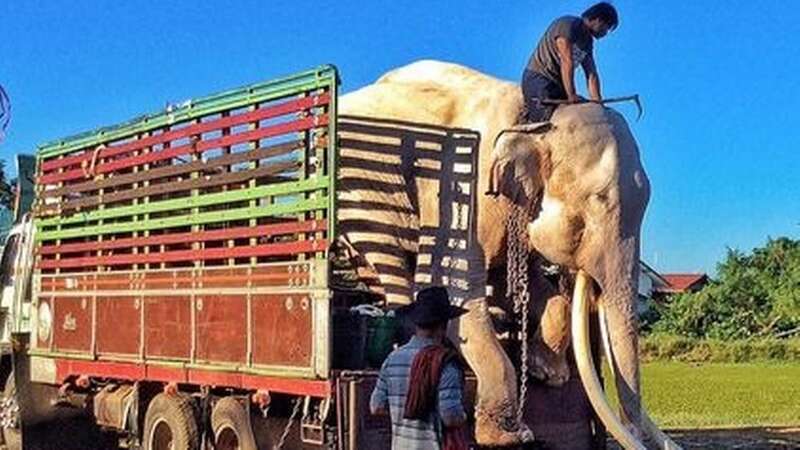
15, 279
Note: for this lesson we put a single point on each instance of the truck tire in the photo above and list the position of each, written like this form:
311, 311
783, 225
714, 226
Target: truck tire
231, 426
11, 435
170, 424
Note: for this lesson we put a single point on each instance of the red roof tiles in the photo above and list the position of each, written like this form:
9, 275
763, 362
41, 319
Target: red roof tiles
682, 282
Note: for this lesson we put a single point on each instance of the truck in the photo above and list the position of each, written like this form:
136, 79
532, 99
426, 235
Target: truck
182, 279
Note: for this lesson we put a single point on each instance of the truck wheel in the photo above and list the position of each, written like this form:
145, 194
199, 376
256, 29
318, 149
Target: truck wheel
231, 425
10, 411
170, 424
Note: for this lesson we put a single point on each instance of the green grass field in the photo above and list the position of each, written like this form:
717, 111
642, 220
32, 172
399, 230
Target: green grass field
714, 395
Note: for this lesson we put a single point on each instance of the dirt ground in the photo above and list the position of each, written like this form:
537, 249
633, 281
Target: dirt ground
739, 438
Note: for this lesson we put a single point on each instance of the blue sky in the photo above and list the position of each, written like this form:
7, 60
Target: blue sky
720, 138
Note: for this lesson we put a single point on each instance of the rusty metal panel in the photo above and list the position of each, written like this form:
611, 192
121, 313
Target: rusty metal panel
282, 330
61, 283
168, 326
171, 225
229, 277
72, 323
289, 275
114, 281
166, 279
221, 328
118, 325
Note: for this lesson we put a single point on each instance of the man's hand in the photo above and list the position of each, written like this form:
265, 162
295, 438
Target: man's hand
574, 98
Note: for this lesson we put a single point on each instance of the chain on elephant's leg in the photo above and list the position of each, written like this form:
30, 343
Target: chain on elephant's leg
495, 410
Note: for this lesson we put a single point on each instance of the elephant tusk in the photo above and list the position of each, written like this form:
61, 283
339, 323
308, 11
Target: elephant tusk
663, 441
586, 367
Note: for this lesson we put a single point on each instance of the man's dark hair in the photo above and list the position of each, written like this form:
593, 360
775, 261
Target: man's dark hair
603, 11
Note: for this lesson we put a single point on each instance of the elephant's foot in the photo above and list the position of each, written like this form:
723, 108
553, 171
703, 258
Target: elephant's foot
497, 427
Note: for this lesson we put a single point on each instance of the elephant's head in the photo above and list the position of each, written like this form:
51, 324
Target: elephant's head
582, 179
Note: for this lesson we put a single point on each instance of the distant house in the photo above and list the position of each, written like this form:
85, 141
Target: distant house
650, 284
679, 283
657, 287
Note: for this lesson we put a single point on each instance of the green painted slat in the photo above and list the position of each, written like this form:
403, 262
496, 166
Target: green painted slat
321, 77
333, 156
190, 219
193, 202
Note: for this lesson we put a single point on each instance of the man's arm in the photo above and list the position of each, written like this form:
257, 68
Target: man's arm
564, 47
592, 78
450, 404
379, 400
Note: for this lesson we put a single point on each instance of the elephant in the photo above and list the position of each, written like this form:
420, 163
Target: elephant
579, 182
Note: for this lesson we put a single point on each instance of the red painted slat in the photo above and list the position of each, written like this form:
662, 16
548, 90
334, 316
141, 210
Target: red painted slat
207, 378
283, 248
226, 122
202, 236
66, 368
288, 385
165, 374
260, 133
71, 367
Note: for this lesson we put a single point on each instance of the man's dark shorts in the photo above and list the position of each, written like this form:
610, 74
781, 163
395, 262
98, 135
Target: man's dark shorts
535, 87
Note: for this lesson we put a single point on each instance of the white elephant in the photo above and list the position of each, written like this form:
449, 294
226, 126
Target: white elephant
579, 177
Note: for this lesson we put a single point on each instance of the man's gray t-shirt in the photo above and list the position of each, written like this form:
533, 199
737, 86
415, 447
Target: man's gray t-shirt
545, 59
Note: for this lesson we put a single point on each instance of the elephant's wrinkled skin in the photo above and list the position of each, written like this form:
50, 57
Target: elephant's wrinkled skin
584, 184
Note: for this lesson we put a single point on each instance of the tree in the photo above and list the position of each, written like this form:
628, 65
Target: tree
756, 294
6, 188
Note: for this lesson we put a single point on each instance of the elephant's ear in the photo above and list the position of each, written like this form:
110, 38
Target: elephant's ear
518, 164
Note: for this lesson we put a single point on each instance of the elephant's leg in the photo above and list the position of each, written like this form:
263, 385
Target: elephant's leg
551, 312
496, 402
548, 358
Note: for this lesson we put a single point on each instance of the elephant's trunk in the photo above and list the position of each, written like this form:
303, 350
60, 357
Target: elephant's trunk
618, 275
650, 428
619, 306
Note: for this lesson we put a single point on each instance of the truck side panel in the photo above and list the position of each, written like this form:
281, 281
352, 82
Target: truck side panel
192, 245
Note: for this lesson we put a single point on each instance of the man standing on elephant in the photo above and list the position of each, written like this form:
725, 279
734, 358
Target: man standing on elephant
568, 42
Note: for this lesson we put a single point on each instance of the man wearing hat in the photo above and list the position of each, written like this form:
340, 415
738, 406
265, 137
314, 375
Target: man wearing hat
421, 383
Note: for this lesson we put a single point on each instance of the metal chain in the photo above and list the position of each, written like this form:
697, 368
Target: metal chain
286, 430
517, 287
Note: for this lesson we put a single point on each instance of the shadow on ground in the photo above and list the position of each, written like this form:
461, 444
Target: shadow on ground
738, 438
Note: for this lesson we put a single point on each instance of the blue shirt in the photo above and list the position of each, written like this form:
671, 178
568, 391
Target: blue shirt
391, 390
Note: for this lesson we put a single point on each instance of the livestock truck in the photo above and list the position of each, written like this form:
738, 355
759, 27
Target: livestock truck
188, 286
183, 280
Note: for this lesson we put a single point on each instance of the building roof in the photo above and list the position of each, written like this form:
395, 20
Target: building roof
659, 282
682, 282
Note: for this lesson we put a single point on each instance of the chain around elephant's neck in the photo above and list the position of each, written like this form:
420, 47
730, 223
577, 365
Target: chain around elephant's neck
517, 255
